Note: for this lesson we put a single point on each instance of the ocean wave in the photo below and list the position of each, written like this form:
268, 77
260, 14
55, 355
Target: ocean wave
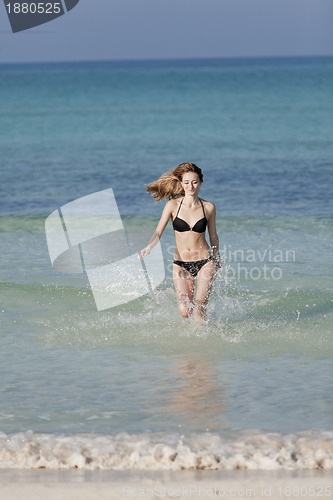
27, 221
66, 315
252, 450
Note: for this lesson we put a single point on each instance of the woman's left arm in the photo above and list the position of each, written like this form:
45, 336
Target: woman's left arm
213, 238
166, 214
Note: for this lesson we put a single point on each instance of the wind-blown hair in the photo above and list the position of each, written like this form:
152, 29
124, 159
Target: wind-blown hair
169, 185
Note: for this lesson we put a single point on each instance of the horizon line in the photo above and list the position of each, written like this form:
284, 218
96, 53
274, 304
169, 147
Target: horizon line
171, 59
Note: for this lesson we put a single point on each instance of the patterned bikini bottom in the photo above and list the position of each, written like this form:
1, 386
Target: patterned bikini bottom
193, 266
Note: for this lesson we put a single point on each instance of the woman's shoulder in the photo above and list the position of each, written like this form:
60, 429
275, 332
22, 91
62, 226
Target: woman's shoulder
172, 205
208, 206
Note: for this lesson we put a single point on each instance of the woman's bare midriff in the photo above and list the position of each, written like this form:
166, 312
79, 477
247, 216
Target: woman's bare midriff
191, 246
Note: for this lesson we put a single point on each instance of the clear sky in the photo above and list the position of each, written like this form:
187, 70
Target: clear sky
153, 29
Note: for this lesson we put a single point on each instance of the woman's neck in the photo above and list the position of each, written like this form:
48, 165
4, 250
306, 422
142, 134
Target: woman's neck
191, 200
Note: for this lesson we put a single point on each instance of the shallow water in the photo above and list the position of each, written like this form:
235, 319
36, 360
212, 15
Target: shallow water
260, 129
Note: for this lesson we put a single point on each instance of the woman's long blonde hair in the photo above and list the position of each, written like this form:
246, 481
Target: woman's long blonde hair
169, 184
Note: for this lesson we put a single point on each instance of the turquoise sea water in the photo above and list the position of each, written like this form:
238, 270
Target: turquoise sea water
253, 388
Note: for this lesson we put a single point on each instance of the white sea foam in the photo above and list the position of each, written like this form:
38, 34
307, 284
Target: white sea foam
252, 450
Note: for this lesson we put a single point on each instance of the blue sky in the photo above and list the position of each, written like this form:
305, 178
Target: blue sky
153, 29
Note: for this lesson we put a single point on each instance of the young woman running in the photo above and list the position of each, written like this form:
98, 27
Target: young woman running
193, 257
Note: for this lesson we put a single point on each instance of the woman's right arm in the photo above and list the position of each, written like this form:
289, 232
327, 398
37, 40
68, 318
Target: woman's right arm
166, 214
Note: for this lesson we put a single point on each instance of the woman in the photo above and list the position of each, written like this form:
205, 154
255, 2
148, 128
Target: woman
190, 216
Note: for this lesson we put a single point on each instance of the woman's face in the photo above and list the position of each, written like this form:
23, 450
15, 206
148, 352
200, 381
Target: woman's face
191, 183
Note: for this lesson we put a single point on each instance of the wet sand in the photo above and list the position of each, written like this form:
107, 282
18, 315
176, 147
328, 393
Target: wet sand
109, 485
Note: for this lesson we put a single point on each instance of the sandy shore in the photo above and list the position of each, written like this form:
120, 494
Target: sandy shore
109, 485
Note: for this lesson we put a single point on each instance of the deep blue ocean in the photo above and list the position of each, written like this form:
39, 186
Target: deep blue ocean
254, 386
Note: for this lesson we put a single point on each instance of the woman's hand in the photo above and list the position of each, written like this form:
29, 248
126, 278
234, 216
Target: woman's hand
143, 253
218, 263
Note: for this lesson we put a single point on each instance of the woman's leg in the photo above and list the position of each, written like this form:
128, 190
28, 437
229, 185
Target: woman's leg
205, 278
184, 287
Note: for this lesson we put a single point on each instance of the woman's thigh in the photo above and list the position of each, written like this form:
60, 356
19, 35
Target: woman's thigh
184, 283
205, 279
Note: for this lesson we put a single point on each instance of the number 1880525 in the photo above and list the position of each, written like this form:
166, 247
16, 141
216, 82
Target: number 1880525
34, 8
305, 491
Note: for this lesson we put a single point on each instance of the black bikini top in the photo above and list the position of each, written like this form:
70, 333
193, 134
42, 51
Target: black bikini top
180, 225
